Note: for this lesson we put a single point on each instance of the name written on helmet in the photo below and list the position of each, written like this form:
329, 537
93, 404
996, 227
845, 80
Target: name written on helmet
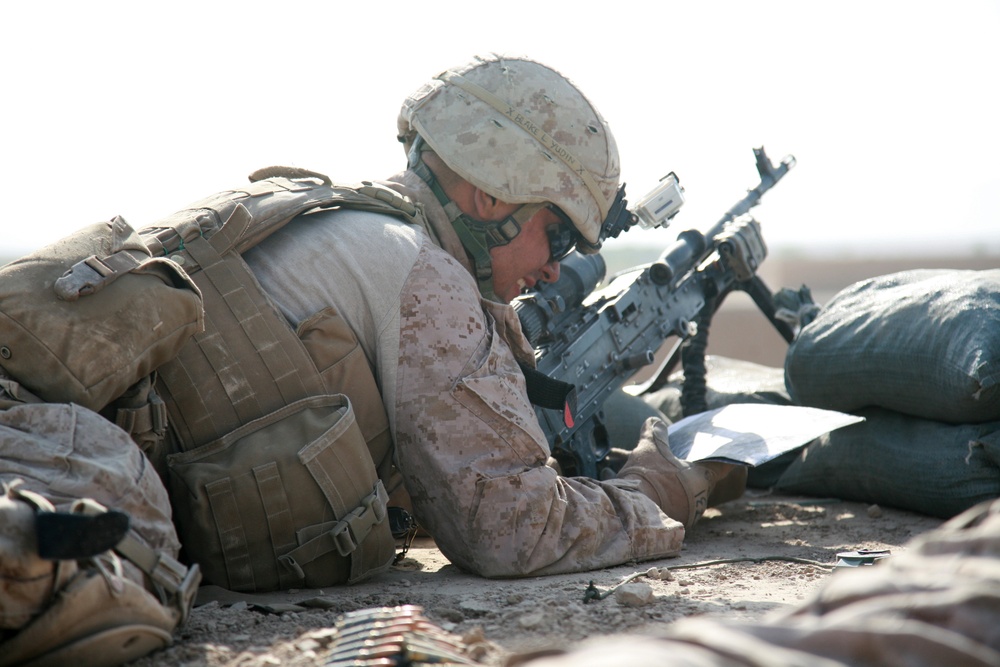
547, 141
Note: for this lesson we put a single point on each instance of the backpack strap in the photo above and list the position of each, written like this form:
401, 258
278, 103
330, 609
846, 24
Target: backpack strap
248, 361
176, 584
268, 205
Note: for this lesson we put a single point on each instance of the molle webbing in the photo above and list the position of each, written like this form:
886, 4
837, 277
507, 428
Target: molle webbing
268, 523
248, 361
268, 205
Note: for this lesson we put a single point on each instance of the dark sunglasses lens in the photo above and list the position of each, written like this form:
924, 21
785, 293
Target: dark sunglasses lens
562, 237
562, 240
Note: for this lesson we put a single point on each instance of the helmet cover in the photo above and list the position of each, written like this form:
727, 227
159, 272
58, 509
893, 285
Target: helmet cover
521, 132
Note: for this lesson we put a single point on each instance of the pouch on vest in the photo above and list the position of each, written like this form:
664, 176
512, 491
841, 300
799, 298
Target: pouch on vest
85, 318
290, 500
248, 361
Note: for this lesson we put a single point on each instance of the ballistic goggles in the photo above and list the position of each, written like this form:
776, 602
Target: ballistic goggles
563, 237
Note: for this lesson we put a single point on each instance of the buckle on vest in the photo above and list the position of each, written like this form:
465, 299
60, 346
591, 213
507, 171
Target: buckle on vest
343, 540
148, 418
354, 528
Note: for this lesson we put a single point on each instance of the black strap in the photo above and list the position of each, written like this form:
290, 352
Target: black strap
67, 536
548, 392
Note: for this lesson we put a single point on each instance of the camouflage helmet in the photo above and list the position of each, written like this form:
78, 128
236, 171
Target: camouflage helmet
521, 132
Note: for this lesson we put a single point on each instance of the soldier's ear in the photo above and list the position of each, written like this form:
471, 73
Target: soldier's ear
489, 208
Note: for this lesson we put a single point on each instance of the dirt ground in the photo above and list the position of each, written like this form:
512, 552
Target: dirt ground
497, 618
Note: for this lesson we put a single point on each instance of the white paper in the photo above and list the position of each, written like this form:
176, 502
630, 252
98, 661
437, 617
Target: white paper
752, 434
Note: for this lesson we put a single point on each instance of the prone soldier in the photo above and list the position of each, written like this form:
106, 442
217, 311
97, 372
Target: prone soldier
365, 347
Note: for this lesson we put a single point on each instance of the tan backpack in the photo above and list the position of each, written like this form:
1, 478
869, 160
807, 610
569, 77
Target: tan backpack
275, 433
79, 590
88, 338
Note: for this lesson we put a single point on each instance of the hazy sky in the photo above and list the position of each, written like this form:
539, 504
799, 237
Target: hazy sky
890, 108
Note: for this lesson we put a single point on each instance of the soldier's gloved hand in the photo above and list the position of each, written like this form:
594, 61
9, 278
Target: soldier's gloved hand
682, 489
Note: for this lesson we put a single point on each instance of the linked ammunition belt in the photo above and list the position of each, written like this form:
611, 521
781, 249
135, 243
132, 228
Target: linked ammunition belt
394, 636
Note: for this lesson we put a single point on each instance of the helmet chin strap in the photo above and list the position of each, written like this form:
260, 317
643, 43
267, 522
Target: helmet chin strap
477, 237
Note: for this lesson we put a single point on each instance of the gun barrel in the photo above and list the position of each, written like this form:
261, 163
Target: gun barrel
679, 257
769, 177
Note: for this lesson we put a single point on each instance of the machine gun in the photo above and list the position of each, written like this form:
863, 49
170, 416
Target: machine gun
595, 341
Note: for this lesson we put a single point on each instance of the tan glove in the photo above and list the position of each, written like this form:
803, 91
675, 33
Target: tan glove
681, 489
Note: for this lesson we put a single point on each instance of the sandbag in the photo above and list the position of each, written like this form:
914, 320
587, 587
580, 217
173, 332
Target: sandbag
90, 346
900, 461
924, 343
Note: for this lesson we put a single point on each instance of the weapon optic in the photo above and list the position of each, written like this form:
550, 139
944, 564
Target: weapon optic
595, 339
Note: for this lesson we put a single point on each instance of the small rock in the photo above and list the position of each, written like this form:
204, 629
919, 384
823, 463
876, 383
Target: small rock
449, 614
478, 651
661, 573
531, 620
308, 645
324, 636
635, 594
874, 511
474, 635
515, 598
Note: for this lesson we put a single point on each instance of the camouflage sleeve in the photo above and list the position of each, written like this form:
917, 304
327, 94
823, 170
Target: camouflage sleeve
473, 455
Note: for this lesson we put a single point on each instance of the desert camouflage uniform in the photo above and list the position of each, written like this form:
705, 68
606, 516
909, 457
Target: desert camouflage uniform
936, 603
468, 444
